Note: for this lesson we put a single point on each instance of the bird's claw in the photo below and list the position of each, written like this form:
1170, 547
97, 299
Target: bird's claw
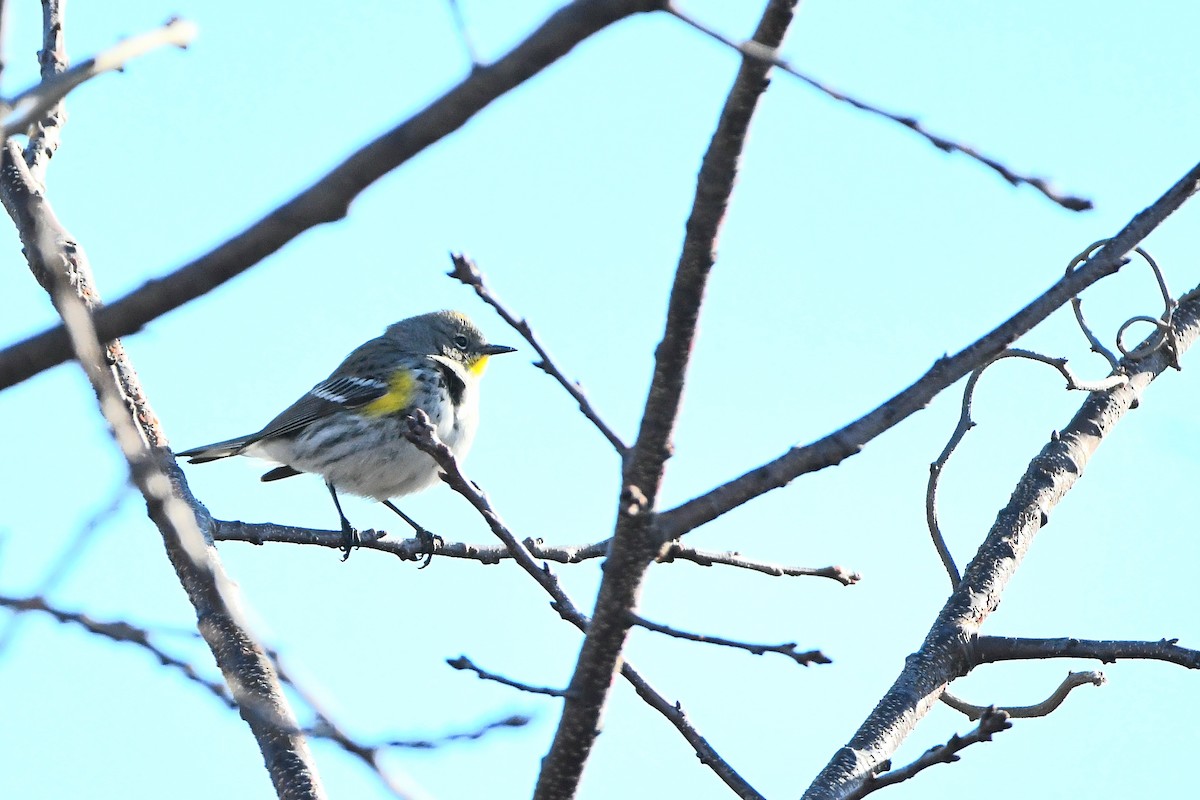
430, 542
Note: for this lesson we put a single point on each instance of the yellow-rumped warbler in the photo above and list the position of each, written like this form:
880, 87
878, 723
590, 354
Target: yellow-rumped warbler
349, 427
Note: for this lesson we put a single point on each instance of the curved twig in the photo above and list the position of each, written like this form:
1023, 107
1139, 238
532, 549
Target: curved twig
965, 424
1073, 681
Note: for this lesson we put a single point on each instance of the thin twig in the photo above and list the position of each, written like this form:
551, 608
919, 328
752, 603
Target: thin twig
965, 424
1162, 325
786, 649
464, 663
468, 273
1077, 307
770, 56
707, 558
851, 439
430, 743
68, 557
991, 722
464, 35
119, 631
28, 107
1073, 681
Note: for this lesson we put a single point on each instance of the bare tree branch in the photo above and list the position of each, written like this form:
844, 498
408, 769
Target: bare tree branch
464, 663
635, 543
28, 107
1073, 681
991, 722
119, 631
946, 653
851, 439
329, 198
421, 434
415, 549
770, 56
965, 424
787, 649
466, 272
46, 133
68, 557
990, 649
706, 558
60, 264
464, 35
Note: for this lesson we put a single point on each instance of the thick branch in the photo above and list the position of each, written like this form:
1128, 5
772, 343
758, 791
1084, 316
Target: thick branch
946, 652
848, 441
328, 199
635, 543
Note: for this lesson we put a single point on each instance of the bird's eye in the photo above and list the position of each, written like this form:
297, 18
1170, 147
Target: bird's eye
461, 342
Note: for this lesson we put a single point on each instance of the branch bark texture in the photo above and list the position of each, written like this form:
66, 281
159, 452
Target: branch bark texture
635, 542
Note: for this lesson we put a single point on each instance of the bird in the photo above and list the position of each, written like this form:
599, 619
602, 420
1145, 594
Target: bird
349, 428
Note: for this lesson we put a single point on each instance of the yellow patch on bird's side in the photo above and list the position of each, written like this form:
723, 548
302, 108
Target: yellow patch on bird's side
476, 366
397, 397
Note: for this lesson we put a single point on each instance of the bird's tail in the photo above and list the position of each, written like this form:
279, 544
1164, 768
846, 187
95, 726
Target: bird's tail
211, 452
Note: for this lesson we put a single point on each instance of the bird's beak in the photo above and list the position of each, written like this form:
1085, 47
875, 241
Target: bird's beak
496, 349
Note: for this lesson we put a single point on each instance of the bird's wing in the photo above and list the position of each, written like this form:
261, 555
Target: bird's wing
327, 397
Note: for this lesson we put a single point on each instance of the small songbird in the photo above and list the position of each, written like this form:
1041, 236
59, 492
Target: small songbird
349, 427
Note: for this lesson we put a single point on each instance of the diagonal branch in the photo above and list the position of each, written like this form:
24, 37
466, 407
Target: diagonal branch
421, 433
635, 542
850, 440
467, 273
60, 265
329, 198
946, 653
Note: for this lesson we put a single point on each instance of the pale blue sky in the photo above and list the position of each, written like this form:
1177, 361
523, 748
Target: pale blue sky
854, 255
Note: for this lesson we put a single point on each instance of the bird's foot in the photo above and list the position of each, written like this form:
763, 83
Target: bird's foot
430, 542
351, 539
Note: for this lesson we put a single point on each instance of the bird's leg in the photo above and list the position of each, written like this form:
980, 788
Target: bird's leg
429, 541
350, 536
